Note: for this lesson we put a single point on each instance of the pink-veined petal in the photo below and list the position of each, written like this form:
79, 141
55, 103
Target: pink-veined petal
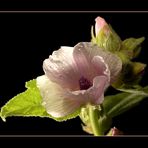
84, 59
86, 51
100, 66
61, 68
96, 92
55, 99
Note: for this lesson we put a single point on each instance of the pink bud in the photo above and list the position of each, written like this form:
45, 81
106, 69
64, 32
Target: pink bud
115, 132
100, 23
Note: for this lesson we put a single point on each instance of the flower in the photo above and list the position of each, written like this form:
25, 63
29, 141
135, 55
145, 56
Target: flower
76, 76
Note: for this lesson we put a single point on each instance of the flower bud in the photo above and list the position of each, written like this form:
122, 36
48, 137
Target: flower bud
131, 47
105, 37
138, 68
114, 132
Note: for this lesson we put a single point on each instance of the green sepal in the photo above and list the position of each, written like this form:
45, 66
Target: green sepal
104, 121
130, 75
107, 39
131, 47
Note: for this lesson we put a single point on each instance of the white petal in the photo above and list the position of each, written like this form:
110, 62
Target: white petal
55, 100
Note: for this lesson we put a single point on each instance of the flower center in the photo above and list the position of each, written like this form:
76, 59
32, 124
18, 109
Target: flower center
84, 83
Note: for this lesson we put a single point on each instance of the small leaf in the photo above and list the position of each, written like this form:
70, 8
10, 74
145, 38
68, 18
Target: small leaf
29, 103
116, 104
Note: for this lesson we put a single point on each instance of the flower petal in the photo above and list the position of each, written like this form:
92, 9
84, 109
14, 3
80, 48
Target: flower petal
84, 52
100, 66
54, 98
96, 92
100, 23
85, 63
61, 68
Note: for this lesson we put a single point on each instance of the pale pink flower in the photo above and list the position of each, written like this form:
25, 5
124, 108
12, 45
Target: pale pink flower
76, 76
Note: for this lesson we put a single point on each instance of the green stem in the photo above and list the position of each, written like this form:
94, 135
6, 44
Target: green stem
93, 114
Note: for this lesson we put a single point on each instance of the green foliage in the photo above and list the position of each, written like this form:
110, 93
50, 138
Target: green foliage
29, 103
115, 105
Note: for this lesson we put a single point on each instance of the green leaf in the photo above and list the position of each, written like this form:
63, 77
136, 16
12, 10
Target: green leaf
29, 103
117, 104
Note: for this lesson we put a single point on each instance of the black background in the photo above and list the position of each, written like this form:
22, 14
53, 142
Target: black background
26, 39
73, 5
